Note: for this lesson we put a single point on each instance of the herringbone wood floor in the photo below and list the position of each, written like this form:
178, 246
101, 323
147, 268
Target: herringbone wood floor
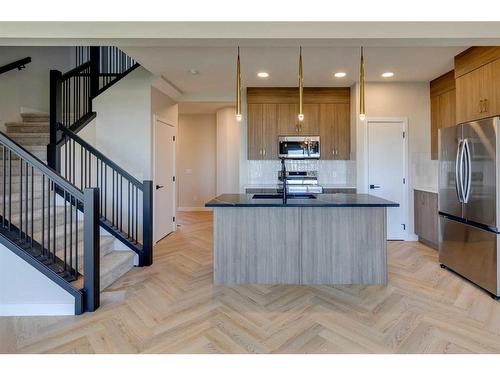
173, 307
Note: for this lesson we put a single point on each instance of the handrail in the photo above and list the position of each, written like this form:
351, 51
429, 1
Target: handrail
39, 226
126, 203
75, 70
100, 156
19, 64
40, 165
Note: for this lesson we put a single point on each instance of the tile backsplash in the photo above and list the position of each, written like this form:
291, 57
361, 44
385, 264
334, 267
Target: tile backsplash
424, 171
330, 172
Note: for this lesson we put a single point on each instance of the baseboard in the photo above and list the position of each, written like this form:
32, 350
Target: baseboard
37, 309
411, 237
189, 209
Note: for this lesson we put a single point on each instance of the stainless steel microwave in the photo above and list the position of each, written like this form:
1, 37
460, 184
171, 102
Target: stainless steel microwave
299, 147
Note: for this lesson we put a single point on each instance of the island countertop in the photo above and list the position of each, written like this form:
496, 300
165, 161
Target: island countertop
322, 200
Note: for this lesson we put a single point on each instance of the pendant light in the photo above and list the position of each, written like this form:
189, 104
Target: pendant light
362, 113
301, 87
238, 88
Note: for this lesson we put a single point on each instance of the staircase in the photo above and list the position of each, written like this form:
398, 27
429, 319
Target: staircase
32, 133
66, 208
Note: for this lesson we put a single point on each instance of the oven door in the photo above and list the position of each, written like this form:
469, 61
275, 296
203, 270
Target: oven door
299, 147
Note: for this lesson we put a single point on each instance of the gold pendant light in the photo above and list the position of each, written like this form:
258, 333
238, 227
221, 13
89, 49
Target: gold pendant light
301, 87
238, 88
362, 113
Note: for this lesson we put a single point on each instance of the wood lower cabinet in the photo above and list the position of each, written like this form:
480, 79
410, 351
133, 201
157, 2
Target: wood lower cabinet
426, 217
443, 107
274, 111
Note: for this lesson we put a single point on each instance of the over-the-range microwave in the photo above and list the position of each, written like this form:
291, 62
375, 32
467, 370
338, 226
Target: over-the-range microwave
299, 147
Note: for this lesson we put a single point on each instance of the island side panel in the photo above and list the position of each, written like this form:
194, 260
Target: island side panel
344, 245
256, 245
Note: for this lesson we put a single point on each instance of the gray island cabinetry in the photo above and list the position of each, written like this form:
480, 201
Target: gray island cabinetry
331, 239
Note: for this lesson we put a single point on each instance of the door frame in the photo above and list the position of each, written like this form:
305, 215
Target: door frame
153, 157
406, 194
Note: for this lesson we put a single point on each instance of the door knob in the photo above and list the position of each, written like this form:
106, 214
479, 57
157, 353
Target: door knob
374, 187
159, 187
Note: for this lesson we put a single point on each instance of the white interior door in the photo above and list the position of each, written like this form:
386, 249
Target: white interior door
387, 172
164, 164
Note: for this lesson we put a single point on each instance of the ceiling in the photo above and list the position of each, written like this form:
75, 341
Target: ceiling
196, 108
216, 66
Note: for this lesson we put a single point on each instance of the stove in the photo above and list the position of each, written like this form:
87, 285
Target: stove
300, 182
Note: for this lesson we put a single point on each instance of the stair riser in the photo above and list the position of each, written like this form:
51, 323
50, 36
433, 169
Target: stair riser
30, 139
22, 127
35, 117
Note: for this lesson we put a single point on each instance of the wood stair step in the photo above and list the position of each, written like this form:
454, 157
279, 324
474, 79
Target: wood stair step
35, 117
113, 266
27, 127
30, 139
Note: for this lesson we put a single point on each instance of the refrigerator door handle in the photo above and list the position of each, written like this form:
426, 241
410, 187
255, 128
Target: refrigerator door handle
458, 172
468, 168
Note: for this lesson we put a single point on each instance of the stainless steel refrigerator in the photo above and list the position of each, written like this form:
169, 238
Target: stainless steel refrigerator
469, 201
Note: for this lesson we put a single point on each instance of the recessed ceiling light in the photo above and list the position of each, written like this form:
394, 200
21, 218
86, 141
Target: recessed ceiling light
262, 74
340, 74
194, 71
388, 74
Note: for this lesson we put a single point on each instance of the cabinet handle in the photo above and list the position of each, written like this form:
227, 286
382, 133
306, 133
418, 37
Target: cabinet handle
260, 152
485, 104
480, 106
264, 152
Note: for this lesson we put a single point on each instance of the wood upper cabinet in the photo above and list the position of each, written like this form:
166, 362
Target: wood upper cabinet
274, 111
477, 73
288, 122
334, 130
262, 131
443, 107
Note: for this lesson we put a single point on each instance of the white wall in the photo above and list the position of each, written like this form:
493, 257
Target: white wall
124, 124
228, 151
409, 100
29, 292
196, 160
29, 88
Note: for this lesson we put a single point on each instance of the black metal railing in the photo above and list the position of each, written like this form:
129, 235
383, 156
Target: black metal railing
71, 93
50, 220
18, 64
125, 202
110, 62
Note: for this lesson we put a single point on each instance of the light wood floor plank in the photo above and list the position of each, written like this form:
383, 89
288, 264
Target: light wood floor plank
173, 307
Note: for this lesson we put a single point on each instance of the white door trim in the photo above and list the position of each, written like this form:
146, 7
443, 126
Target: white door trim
155, 119
404, 120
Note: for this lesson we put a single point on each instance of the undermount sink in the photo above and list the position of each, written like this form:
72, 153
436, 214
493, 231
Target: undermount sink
280, 196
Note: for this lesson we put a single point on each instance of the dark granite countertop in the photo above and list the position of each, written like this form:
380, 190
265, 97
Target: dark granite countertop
322, 200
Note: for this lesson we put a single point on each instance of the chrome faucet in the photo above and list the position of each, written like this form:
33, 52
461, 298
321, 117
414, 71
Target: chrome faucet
284, 179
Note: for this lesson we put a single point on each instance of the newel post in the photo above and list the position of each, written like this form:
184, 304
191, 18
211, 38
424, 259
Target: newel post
95, 58
147, 224
55, 115
91, 250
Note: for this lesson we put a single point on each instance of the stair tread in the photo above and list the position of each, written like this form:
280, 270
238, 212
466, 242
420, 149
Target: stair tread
112, 267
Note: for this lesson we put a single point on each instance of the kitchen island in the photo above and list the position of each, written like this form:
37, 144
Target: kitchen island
326, 239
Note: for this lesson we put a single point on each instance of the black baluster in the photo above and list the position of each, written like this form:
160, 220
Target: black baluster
65, 233
137, 215
128, 209
32, 202
48, 217
20, 197
10, 189
43, 215
121, 202
26, 205
4, 185
70, 235
113, 198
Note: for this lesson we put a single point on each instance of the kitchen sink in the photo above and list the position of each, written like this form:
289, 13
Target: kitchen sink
280, 196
